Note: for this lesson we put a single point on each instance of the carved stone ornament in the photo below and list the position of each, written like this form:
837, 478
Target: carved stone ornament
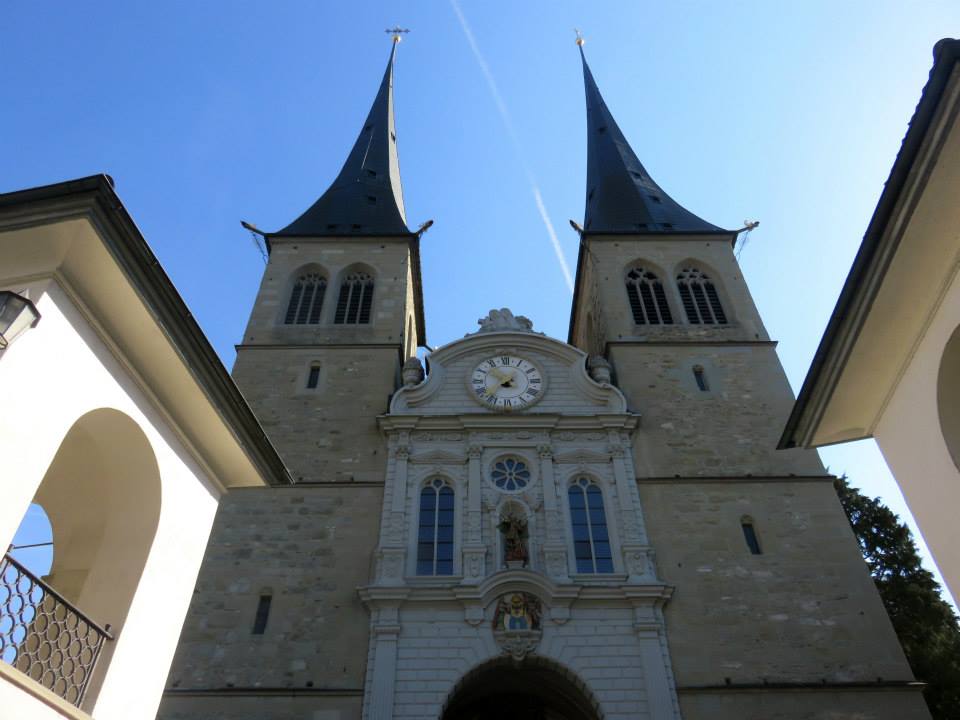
503, 320
516, 624
412, 372
599, 369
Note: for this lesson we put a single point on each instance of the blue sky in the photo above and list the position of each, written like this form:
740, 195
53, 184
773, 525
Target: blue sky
209, 113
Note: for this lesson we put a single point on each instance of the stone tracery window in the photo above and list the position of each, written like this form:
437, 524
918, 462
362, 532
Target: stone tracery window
591, 541
355, 299
648, 302
435, 529
510, 474
700, 299
306, 300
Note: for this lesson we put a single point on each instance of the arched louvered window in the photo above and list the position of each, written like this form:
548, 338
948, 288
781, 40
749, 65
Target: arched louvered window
306, 299
591, 542
435, 531
648, 302
700, 299
355, 300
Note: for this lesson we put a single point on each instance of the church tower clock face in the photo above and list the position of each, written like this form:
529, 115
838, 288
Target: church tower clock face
506, 383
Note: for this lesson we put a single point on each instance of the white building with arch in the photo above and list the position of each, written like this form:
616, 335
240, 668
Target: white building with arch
120, 422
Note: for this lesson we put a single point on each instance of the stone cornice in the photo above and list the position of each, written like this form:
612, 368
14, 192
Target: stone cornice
553, 594
513, 421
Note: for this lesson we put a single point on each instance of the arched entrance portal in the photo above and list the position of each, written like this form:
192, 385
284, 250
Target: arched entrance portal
532, 689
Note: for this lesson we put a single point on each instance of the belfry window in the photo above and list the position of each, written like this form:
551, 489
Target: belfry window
355, 300
700, 299
435, 531
648, 302
591, 542
306, 299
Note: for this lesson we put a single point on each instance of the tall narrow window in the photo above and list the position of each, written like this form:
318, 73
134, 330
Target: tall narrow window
435, 532
700, 376
263, 613
750, 535
313, 377
591, 542
700, 299
355, 300
306, 299
648, 302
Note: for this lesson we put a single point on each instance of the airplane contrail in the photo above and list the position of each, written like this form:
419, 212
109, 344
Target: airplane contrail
518, 148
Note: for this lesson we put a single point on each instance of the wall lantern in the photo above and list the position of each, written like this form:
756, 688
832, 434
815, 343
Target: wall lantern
16, 315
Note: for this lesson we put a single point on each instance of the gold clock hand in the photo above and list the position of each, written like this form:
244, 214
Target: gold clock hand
499, 375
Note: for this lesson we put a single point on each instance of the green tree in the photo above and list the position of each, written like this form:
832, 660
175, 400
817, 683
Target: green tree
924, 622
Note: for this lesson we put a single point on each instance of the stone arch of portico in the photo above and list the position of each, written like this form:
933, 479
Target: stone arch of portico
500, 681
102, 496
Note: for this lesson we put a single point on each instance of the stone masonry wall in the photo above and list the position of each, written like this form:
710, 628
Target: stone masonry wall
330, 433
805, 610
310, 548
731, 429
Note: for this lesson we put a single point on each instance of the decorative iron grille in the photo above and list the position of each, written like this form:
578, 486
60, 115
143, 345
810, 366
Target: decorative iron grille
44, 636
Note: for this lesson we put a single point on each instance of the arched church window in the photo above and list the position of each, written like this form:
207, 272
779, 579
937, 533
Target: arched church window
306, 299
591, 541
700, 299
355, 300
648, 302
435, 531
510, 474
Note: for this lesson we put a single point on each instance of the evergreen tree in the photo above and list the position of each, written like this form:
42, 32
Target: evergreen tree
924, 622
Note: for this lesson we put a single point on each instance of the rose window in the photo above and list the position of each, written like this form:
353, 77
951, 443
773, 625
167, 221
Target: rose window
510, 474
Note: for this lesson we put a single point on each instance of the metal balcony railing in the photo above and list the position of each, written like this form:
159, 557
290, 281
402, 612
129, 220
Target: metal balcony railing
43, 636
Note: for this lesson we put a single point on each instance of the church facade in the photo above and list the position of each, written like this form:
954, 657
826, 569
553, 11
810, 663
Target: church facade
522, 526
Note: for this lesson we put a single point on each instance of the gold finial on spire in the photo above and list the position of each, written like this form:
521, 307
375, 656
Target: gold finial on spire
580, 40
397, 32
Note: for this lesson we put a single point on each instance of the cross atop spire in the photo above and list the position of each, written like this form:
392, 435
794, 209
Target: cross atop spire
621, 195
366, 198
397, 32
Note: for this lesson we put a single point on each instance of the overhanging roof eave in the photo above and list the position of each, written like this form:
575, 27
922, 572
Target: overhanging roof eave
869, 266
93, 197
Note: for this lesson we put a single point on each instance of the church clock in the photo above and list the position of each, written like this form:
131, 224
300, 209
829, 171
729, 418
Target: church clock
506, 382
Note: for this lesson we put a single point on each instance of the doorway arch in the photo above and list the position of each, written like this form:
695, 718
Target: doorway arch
535, 688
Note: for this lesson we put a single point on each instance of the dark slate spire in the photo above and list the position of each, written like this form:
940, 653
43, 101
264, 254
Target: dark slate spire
621, 195
366, 198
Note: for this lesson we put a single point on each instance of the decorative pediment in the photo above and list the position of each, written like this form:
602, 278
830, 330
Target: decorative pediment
506, 370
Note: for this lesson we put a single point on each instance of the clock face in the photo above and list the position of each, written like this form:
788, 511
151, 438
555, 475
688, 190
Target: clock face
506, 382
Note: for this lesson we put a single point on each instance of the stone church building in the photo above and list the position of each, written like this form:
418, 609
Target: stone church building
521, 526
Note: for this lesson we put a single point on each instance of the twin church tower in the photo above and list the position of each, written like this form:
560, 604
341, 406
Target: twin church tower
594, 529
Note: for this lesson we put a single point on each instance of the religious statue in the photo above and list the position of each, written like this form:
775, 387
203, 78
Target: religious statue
504, 319
517, 611
513, 527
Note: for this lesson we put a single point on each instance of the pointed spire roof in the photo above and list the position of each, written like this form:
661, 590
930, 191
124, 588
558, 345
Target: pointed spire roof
621, 195
366, 198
